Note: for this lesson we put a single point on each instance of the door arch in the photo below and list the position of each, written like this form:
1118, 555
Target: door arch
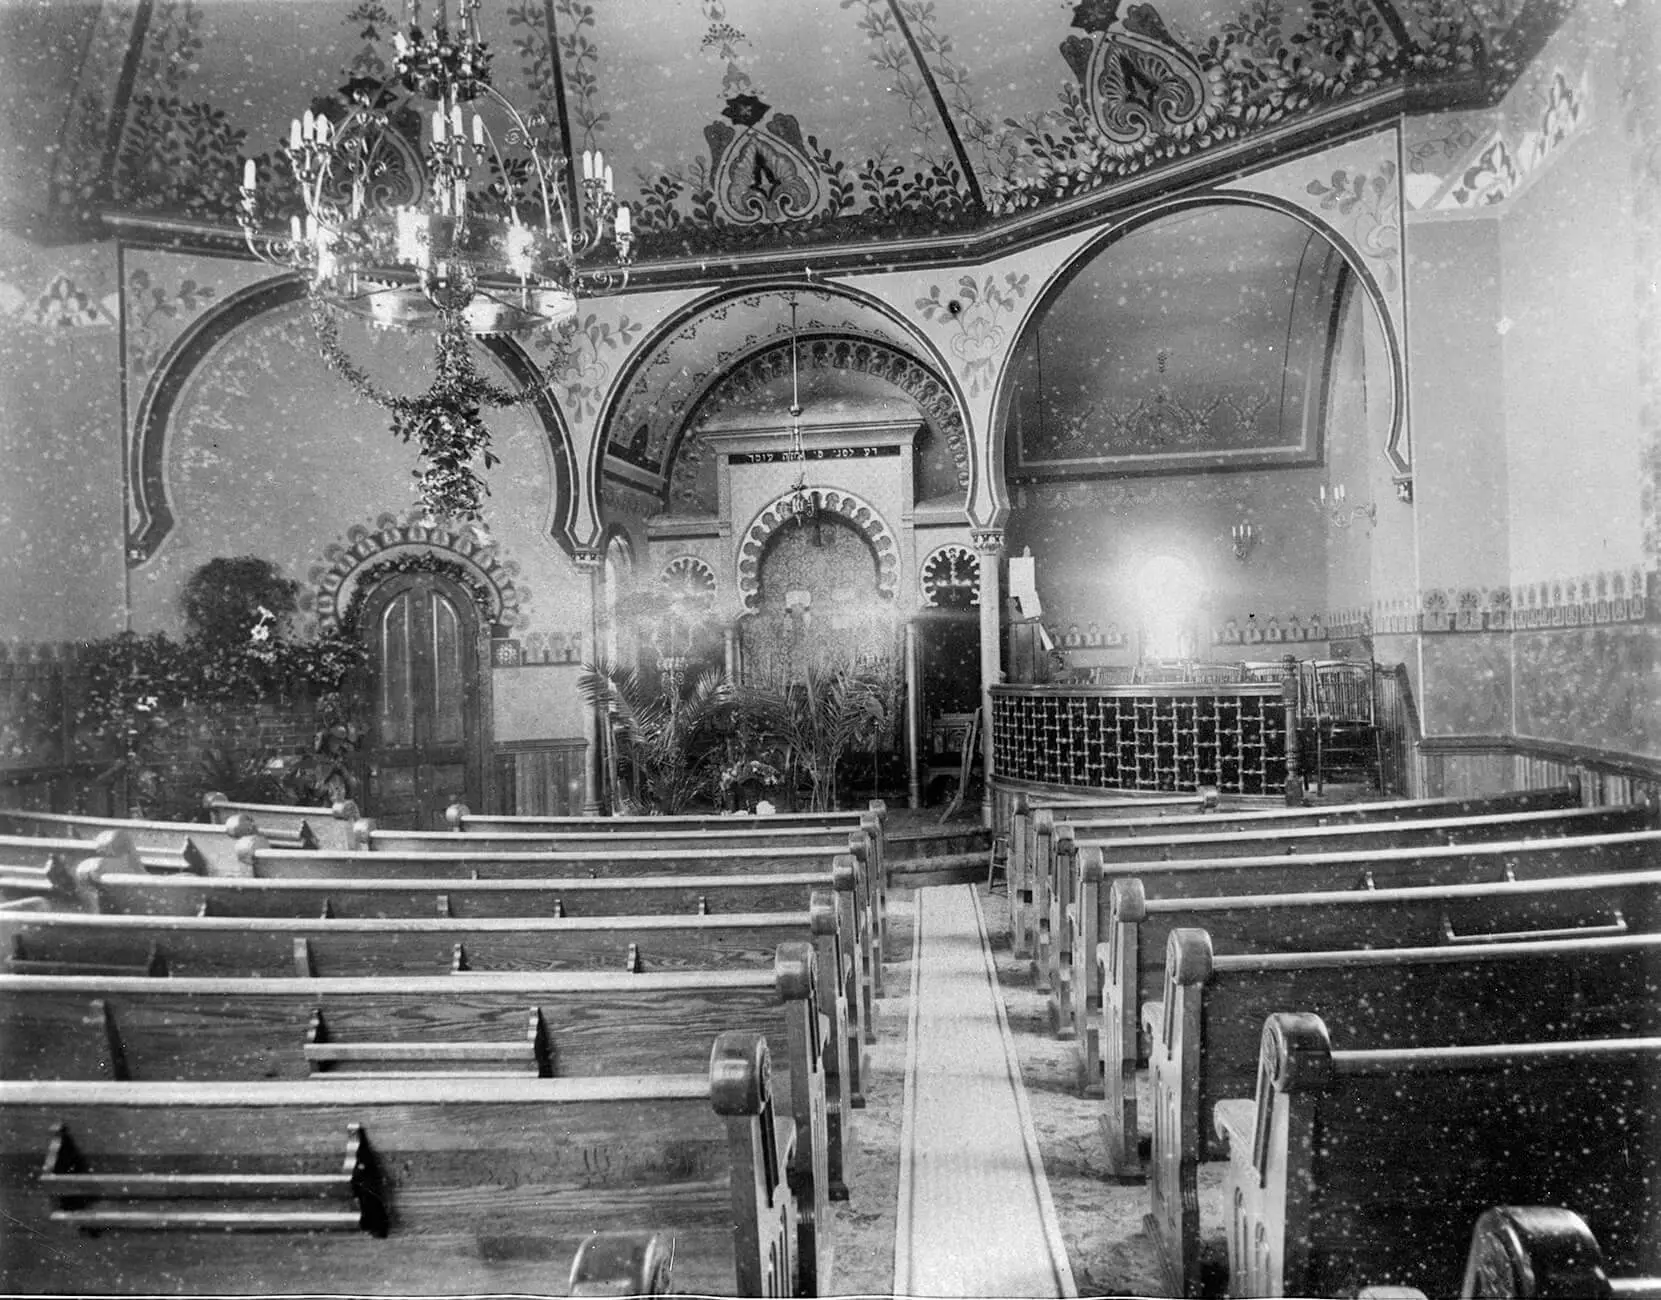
428, 716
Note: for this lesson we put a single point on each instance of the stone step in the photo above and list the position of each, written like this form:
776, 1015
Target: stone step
939, 869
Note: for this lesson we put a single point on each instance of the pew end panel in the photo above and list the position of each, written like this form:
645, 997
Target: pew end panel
1543, 1252
623, 1264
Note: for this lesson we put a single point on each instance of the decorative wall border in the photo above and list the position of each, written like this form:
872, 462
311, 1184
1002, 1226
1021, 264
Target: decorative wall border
336, 574
774, 516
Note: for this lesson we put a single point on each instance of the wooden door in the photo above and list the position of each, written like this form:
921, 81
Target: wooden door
425, 738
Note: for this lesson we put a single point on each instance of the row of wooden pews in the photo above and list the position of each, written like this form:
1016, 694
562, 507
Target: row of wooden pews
598, 1057
1386, 1018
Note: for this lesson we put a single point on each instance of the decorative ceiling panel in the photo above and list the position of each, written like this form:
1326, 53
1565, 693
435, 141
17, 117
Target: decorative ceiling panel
735, 125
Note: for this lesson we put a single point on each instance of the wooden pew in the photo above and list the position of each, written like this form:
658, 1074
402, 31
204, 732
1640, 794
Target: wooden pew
407, 1186
837, 819
70, 943
859, 833
1351, 1165
359, 898
1132, 961
1363, 868
43, 867
1033, 819
290, 826
267, 863
537, 1026
1122, 822
1543, 1252
1079, 915
1207, 1026
871, 819
191, 847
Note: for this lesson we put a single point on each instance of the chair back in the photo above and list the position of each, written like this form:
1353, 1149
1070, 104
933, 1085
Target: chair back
1344, 690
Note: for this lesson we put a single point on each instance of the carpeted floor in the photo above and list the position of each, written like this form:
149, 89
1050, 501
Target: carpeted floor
1108, 1246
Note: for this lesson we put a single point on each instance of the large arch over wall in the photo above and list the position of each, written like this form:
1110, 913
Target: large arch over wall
152, 513
1063, 274
921, 350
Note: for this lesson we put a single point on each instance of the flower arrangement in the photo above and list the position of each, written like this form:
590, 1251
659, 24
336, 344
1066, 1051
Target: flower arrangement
749, 771
235, 652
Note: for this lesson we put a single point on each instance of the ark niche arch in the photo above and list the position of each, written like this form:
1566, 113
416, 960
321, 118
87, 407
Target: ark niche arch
942, 450
153, 515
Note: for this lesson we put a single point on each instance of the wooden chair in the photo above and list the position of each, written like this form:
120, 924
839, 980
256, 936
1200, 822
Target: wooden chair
968, 748
1345, 719
1150, 672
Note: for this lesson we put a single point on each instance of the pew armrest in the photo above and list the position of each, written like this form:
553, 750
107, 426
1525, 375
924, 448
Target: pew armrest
347, 1198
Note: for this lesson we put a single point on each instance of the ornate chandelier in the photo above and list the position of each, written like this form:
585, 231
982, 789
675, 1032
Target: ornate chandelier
432, 202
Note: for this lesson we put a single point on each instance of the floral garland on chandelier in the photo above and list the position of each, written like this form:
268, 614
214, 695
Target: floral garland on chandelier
444, 422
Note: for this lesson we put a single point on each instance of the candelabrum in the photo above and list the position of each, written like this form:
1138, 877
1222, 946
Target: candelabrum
1245, 536
1335, 506
437, 201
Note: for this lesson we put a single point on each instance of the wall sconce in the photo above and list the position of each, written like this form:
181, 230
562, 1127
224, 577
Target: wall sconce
1339, 513
1246, 537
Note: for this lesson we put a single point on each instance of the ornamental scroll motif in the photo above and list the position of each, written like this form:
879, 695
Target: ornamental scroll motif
1138, 81
761, 174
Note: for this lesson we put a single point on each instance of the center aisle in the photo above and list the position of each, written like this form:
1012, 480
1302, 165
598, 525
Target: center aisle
974, 1216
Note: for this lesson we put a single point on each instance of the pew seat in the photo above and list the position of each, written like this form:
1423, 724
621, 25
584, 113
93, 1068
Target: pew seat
1349, 1166
196, 847
404, 1187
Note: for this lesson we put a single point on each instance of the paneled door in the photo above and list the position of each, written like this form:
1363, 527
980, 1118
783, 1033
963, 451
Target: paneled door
425, 738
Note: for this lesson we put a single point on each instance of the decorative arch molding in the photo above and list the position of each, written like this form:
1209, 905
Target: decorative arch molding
415, 545
153, 515
681, 326
855, 510
855, 355
1396, 448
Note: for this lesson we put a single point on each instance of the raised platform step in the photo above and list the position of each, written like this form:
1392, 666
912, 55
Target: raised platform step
939, 869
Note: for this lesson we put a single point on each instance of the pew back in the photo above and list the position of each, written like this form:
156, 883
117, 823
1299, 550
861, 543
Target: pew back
1206, 1030
447, 1187
1079, 910
1131, 964
1343, 1175
291, 825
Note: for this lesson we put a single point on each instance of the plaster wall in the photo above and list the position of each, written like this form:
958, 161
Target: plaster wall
1567, 308
62, 567
269, 453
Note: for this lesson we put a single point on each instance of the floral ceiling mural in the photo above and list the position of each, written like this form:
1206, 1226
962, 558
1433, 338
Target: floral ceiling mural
737, 124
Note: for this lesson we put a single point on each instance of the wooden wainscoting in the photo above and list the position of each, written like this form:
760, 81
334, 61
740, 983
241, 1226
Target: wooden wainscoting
539, 778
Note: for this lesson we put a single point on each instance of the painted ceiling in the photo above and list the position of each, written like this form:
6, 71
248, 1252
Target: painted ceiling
732, 125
